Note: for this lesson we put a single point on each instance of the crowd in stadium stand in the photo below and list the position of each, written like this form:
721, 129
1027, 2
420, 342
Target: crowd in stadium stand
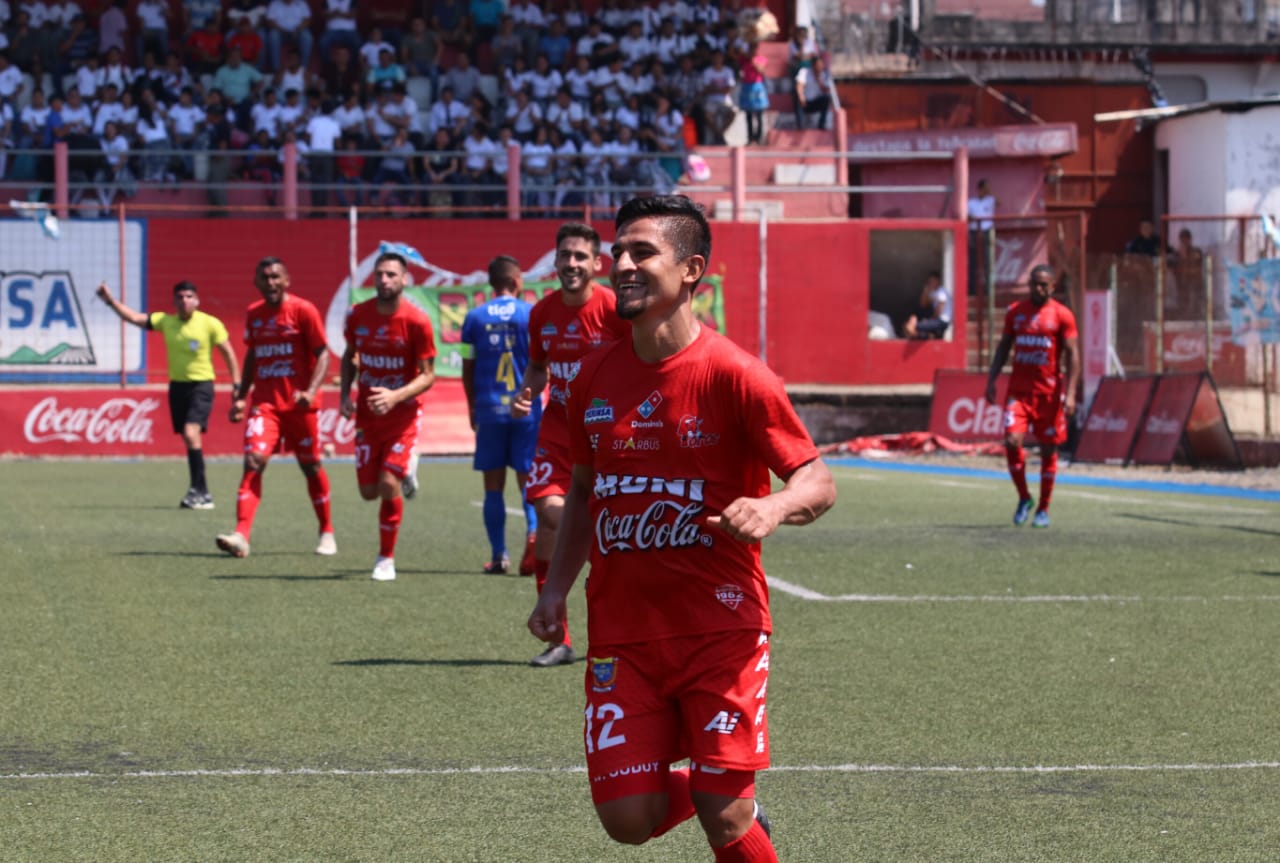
388, 102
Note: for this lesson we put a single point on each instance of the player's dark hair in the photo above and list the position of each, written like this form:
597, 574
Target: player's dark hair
392, 256
501, 269
185, 285
268, 261
1041, 270
581, 231
683, 223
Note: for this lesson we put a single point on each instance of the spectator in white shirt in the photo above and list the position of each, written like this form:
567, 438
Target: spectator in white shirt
544, 82
77, 117
578, 79
628, 114
606, 82
635, 45
113, 177
339, 27
114, 71
372, 49
288, 21
595, 167
596, 45
11, 81
477, 169
265, 115
154, 137
524, 116
666, 47
322, 134
292, 112
350, 117
109, 111
448, 113
566, 114
31, 121
537, 173
153, 28
718, 84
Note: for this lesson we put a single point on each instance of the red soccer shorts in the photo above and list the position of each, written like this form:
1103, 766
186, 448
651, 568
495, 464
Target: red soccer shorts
1041, 415
650, 704
268, 431
550, 472
385, 445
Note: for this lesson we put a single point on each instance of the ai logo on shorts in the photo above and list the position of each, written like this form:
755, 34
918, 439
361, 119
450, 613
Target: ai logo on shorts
604, 674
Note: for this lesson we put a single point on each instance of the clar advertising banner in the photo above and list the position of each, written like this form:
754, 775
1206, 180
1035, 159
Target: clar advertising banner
52, 328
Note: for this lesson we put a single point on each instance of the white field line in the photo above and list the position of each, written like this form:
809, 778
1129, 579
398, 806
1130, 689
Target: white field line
801, 592
1158, 501
236, 773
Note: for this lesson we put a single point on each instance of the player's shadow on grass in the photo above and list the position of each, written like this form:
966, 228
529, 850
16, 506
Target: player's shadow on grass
1180, 522
436, 663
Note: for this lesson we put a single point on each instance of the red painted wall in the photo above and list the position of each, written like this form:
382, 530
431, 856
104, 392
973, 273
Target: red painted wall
817, 293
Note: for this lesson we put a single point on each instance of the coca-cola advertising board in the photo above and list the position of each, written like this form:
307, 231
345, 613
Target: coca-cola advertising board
1115, 416
1095, 343
960, 411
1184, 350
39, 421
52, 327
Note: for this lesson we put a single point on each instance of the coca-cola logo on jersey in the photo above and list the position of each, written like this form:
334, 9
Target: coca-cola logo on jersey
274, 369
335, 428
116, 420
662, 524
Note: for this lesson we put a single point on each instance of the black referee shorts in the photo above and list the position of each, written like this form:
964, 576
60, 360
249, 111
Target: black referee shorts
190, 402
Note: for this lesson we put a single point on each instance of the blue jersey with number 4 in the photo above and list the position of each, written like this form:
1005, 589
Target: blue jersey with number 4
498, 333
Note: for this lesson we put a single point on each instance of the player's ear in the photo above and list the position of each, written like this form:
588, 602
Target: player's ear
694, 268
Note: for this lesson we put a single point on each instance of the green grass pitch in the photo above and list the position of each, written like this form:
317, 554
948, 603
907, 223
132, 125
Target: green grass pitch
945, 687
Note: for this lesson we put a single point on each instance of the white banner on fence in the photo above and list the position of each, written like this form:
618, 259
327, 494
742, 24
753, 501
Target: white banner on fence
1254, 302
52, 327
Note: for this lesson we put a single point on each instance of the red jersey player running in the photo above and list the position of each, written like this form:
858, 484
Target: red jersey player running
673, 435
391, 341
564, 326
286, 360
1041, 333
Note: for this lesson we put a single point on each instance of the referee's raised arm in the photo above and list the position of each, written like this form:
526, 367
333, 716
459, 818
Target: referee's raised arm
133, 316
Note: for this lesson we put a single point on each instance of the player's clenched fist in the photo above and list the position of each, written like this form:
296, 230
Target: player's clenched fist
544, 622
748, 519
522, 404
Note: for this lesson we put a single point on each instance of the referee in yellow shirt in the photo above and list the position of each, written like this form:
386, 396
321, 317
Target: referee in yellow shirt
189, 339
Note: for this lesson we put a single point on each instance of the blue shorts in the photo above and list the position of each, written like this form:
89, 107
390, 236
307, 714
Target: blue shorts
505, 444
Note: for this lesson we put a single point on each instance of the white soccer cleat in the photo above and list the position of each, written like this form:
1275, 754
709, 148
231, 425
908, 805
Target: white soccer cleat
328, 546
384, 569
233, 544
409, 485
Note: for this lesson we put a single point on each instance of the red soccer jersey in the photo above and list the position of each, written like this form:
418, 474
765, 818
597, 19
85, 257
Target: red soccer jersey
283, 341
388, 349
669, 444
560, 336
1039, 338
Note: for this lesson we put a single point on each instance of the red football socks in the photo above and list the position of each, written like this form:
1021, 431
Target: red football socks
389, 515
1048, 473
540, 568
679, 801
1017, 459
247, 499
751, 847
318, 488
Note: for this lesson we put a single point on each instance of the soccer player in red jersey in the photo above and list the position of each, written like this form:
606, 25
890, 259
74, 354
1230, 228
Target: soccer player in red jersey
1041, 334
285, 363
564, 326
391, 342
673, 436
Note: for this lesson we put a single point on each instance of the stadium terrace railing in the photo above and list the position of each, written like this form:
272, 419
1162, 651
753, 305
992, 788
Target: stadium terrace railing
281, 183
